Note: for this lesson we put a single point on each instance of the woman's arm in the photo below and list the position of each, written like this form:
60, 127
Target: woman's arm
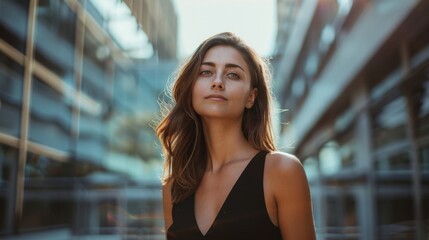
292, 196
167, 205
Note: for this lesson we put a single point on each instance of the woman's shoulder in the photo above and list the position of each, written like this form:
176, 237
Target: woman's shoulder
283, 168
282, 161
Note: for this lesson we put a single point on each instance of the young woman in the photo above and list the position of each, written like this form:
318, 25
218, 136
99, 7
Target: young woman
223, 178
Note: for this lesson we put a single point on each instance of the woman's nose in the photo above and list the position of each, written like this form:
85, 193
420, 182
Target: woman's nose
218, 83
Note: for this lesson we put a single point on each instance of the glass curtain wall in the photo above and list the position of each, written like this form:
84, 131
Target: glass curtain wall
70, 154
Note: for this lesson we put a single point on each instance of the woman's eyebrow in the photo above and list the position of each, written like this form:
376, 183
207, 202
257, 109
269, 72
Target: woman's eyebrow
228, 65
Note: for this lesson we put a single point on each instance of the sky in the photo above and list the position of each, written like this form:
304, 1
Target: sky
253, 20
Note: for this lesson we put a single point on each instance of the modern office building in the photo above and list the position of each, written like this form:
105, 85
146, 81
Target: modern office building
354, 77
78, 157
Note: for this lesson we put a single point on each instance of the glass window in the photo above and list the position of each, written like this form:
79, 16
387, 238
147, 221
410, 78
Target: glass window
125, 88
110, 216
8, 160
337, 154
92, 142
396, 216
44, 168
425, 203
11, 79
342, 217
330, 161
55, 38
93, 11
45, 211
424, 159
398, 161
50, 119
99, 206
95, 79
48, 193
346, 150
147, 220
13, 22
424, 167
389, 123
421, 104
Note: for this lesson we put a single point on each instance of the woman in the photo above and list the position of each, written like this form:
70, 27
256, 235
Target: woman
223, 178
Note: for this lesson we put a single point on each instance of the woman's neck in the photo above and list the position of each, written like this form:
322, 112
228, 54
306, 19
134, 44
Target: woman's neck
225, 143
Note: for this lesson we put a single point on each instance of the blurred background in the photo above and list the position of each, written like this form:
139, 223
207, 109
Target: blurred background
80, 82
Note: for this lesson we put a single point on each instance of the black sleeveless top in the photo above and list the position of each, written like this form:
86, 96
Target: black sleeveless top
243, 215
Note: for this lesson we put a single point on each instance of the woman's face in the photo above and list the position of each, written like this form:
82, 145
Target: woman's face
223, 86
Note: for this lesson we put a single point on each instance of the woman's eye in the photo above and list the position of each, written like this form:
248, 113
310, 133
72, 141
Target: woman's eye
233, 76
205, 73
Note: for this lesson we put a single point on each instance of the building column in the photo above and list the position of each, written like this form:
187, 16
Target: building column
19, 179
367, 208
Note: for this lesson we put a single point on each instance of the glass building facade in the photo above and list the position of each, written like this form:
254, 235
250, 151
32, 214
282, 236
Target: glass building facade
354, 76
78, 155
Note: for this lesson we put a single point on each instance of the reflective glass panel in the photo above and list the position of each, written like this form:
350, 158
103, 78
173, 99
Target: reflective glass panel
398, 161
424, 159
8, 162
95, 80
424, 173
425, 203
55, 38
11, 86
389, 123
421, 104
92, 142
330, 159
148, 219
13, 22
48, 193
396, 216
342, 215
50, 119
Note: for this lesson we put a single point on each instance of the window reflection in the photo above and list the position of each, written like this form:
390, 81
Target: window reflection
395, 161
390, 137
149, 217
8, 160
125, 88
11, 79
50, 118
92, 142
55, 37
425, 209
330, 161
424, 171
424, 159
347, 149
48, 198
95, 77
13, 22
342, 214
396, 216
389, 122
421, 98
337, 155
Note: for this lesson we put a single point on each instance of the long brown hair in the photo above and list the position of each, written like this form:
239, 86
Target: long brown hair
181, 132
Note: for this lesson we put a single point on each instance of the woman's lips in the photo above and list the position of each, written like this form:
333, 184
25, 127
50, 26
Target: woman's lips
216, 97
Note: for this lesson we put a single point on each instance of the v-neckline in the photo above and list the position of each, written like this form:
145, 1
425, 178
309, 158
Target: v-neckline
221, 209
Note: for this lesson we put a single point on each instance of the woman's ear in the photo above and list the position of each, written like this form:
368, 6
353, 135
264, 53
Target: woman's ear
252, 97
